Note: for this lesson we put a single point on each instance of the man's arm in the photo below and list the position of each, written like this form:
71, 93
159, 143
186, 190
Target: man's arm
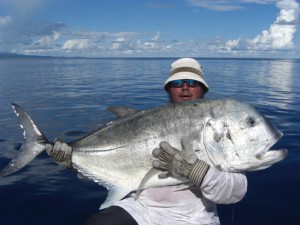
215, 185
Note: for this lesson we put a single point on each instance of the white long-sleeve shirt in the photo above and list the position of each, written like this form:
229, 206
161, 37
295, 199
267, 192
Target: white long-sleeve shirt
176, 206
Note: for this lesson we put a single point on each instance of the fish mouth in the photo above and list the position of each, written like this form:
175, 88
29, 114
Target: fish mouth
267, 145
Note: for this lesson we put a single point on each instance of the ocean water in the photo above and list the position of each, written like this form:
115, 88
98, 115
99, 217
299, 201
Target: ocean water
68, 97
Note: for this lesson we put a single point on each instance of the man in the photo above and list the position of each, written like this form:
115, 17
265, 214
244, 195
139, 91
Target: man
186, 81
176, 205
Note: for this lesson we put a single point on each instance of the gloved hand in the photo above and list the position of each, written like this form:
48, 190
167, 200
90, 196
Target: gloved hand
177, 163
61, 153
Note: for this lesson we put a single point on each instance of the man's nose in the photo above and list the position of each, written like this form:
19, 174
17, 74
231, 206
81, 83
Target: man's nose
185, 85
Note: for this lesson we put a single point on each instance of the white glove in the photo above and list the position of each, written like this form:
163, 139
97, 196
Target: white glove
177, 163
61, 153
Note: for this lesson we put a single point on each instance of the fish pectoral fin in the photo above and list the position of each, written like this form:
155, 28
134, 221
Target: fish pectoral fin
185, 186
151, 173
114, 194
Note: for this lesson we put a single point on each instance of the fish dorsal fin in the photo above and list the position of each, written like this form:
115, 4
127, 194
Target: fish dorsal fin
122, 111
114, 194
152, 172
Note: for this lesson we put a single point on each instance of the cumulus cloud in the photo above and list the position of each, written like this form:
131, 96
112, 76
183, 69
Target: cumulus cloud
21, 31
76, 44
118, 43
153, 43
281, 32
279, 36
289, 12
46, 42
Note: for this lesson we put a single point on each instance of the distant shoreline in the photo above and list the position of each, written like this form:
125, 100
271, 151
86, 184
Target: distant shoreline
7, 55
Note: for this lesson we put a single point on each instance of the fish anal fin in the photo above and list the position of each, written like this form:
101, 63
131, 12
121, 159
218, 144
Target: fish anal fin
114, 194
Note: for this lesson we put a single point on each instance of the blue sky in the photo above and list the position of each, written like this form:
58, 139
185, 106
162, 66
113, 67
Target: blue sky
154, 28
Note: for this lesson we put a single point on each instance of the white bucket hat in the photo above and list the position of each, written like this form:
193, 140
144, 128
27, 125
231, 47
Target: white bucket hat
186, 68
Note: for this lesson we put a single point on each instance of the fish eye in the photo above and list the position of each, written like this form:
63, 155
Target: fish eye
251, 122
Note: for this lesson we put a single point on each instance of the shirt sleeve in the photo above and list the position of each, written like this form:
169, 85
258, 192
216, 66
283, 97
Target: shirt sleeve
224, 187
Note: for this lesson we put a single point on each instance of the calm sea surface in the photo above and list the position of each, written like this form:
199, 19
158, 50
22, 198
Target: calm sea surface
68, 98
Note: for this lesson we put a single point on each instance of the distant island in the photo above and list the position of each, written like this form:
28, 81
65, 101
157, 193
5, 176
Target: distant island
8, 55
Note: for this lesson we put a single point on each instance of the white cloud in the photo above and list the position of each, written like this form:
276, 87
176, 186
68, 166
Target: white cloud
281, 32
76, 44
118, 43
19, 29
289, 11
52, 38
130, 43
153, 43
46, 42
5, 21
278, 37
120, 39
156, 37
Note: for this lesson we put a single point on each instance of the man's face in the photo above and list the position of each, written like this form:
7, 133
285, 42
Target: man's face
185, 93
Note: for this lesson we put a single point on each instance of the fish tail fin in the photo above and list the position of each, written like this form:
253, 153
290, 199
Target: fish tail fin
34, 143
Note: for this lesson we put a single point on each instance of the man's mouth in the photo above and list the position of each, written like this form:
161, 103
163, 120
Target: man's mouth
185, 97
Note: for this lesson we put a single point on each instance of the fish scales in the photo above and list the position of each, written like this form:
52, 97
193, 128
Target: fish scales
124, 148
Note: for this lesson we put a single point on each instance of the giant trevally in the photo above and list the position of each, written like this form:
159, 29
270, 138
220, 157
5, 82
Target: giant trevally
228, 134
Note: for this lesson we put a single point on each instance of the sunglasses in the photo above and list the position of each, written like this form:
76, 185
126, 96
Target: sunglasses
189, 82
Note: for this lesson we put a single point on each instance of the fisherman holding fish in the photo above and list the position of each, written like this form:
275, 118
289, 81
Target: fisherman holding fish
219, 139
180, 204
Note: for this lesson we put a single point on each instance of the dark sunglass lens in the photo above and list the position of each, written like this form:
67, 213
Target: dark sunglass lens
190, 83
177, 83
193, 83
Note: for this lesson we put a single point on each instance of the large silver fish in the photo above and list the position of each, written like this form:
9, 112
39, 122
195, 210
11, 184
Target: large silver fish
226, 133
